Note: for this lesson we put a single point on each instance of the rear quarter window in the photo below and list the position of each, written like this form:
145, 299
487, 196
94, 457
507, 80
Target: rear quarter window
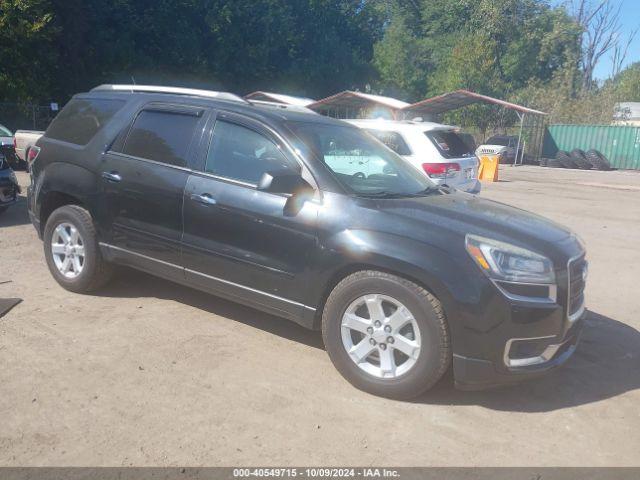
393, 140
82, 118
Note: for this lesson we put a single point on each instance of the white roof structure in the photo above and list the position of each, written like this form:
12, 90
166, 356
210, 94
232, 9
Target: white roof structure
279, 98
350, 98
400, 125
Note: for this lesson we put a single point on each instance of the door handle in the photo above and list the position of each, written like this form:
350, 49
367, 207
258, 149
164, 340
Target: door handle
204, 199
112, 176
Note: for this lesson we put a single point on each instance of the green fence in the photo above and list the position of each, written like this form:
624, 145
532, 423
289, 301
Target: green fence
620, 144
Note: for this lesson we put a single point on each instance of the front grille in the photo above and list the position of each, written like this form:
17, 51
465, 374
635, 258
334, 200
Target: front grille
577, 273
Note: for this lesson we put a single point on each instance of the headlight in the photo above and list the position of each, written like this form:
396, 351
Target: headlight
502, 261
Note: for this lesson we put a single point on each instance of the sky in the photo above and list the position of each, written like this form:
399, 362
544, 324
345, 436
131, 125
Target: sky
629, 19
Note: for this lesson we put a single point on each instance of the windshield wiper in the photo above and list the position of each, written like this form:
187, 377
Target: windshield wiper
386, 194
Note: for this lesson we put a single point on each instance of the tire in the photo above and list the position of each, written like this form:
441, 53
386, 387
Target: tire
598, 160
430, 362
566, 161
580, 159
94, 271
554, 163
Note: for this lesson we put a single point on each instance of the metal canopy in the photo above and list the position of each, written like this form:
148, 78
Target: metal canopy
351, 104
458, 99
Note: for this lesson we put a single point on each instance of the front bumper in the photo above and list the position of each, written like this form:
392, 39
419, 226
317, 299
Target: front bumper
508, 337
479, 374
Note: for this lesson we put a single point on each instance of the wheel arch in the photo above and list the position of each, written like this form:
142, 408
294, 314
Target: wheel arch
53, 200
349, 269
62, 184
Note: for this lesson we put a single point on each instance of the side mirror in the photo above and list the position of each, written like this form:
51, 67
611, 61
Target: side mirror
285, 182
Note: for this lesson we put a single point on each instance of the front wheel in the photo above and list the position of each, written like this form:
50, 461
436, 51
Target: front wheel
72, 251
386, 335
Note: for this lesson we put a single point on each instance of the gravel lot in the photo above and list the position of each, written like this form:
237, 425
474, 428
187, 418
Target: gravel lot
151, 373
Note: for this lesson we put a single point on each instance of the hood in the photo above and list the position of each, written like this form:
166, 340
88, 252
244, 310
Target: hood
462, 213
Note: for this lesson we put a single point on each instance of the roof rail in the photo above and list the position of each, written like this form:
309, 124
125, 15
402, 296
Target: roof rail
282, 106
173, 90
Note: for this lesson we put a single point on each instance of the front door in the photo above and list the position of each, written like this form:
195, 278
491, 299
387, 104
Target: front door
143, 181
241, 242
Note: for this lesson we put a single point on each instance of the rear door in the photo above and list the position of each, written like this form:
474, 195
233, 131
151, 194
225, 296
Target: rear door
241, 242
143, 180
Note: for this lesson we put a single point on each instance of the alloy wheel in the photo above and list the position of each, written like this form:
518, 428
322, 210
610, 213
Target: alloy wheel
381, 335
67, 249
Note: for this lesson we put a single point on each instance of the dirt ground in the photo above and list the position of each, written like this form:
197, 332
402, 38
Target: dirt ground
150, 373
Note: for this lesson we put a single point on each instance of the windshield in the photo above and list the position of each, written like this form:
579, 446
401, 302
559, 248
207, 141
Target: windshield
361, 163
5, 132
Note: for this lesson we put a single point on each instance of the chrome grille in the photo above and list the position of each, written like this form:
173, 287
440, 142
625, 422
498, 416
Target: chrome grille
577, 275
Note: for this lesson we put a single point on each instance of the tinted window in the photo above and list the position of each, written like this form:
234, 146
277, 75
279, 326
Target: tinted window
242, 154
361, 163
449, 144
393, 140
82, 118
504, 141
161, 136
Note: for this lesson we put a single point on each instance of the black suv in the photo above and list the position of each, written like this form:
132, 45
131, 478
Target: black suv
311, 219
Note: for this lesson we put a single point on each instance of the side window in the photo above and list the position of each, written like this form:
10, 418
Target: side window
393, 140
239, 153
82, 118
162, 136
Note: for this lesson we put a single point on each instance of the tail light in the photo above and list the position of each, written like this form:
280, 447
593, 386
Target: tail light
441, 170
32, 154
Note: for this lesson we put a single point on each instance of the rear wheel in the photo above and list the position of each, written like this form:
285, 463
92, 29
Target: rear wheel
72, 252
386, 335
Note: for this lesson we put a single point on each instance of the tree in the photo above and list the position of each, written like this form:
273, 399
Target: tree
601, 33
26, 33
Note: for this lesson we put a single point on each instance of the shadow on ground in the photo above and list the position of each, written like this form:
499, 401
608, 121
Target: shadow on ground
605, 364
16, 214
134, 284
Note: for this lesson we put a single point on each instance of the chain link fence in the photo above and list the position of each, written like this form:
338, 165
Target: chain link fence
24, 116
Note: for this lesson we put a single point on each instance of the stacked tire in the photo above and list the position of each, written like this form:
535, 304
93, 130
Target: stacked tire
580, 159
554, 163
563, 160
597, 160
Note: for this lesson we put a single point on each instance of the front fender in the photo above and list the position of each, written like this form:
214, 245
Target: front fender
433, 268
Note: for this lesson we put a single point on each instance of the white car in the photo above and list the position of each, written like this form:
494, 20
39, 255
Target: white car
434, 149
23, 140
